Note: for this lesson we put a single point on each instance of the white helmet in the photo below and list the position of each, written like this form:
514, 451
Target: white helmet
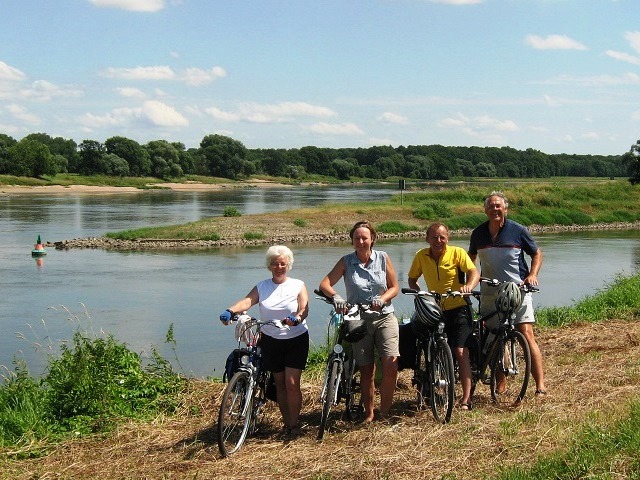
509, 298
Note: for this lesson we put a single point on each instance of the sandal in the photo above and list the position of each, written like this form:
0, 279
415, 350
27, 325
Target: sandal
466, 406
541, 393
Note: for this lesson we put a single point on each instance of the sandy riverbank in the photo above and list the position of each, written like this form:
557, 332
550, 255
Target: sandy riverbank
102, 189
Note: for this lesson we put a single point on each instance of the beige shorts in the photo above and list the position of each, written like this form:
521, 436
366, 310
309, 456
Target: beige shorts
383, 334
523, 315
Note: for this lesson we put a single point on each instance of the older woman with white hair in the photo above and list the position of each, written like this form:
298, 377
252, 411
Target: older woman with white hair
285, 350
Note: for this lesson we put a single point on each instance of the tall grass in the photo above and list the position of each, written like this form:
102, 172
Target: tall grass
618, 300
90, 385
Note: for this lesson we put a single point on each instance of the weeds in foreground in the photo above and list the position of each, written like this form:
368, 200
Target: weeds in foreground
90, 385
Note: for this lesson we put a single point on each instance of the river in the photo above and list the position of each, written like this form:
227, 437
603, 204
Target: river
136, 296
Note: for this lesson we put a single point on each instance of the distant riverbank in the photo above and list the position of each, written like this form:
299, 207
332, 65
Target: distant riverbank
289, 237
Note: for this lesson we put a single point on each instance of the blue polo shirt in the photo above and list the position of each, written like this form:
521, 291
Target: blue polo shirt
503, 258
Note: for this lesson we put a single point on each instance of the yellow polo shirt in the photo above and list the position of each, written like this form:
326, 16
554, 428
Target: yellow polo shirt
445, 274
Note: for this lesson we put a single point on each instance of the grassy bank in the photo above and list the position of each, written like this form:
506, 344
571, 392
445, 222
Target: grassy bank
104, 411
459, 206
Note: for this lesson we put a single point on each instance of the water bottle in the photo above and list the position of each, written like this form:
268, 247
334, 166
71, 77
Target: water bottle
335, 320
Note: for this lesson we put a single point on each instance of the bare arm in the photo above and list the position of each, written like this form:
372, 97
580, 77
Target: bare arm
473, 277
392, 283
333, 277
303, 303
246, 303
413, 283
536, 264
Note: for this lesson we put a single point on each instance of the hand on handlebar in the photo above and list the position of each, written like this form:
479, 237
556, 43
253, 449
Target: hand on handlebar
292, 320
377, 303
339, 303
227, 317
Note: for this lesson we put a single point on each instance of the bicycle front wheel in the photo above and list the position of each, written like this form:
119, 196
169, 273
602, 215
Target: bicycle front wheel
442, 381
510, 370
234, 418
328, 395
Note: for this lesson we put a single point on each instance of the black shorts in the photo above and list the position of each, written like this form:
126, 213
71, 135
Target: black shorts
277, 354
457, 326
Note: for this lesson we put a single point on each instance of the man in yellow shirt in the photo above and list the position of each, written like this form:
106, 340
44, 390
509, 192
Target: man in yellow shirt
444, 268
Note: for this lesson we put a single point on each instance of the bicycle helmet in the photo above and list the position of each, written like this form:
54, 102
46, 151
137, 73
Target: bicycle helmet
427, 315
509, 298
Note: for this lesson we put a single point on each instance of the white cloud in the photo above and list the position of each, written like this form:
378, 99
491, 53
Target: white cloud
595, 81
483, 128
335, 128
8, 72
590, 136
390, 117
163, 115
271, 112
43, 90
551, 101
623, 57
222, 115
634, 40
197, 76
130, 92
22, 114
131, 5
140, 73
458, 2
553, 42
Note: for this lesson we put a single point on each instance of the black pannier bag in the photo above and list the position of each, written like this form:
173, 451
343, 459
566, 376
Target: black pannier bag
232, 364
353, 329
408, 347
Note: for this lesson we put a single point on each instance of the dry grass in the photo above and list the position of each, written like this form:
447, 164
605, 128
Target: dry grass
592, 372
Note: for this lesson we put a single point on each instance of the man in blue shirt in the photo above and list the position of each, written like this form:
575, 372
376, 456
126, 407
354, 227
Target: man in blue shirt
500, 245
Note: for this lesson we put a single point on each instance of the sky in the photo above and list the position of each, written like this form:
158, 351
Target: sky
559, 76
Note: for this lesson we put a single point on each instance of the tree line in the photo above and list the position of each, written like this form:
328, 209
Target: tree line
39, 154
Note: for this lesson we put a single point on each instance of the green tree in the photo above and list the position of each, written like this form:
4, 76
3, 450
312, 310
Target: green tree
91, 160
632, 160
165, 159
5, 159
136, 156
224, 156
30, 158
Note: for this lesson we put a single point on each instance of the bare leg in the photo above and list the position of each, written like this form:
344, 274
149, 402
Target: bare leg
283, 403
536, 356
293, 394
388, 385
368, 389
462, 356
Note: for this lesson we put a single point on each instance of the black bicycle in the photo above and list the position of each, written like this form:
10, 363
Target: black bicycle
501, 349
342, 377
245, 396
433, 369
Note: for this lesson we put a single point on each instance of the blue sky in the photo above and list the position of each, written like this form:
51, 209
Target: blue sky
560, 76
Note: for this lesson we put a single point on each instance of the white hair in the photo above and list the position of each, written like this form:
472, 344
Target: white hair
496, 193
279, 251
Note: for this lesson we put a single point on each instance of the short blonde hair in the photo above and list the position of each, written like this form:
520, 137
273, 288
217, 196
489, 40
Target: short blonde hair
279, 251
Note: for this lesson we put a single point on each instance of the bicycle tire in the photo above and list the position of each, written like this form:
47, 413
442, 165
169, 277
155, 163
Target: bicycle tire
234, 418
442, 377
329, 394
512, 362
353, 396
421, 378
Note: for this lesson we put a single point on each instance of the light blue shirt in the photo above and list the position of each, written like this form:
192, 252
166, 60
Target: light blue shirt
363, 282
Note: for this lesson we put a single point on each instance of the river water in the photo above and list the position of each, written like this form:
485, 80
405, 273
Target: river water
136, 296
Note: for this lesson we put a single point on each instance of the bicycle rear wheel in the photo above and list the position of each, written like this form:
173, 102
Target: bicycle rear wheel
442, 381
234, 418
328, 395
510, 370
353, 395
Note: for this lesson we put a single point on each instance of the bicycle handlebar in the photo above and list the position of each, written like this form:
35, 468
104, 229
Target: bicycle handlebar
326, 298
494, 282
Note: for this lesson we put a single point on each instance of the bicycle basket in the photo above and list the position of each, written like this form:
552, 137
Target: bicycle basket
244, 333
354, 328
509, 298
427, 315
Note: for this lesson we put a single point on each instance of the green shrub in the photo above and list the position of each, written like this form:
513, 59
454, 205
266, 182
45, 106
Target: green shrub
395, 227
253, 236
300, 222
432, 210
231, 212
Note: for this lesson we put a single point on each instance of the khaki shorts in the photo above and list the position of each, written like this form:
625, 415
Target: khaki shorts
383, 334
523, 315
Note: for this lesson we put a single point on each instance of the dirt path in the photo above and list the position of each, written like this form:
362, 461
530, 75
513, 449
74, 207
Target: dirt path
592, 372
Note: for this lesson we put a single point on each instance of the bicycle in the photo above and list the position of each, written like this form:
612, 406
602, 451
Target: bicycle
342, 377
245, 395
433, 369
502, 349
